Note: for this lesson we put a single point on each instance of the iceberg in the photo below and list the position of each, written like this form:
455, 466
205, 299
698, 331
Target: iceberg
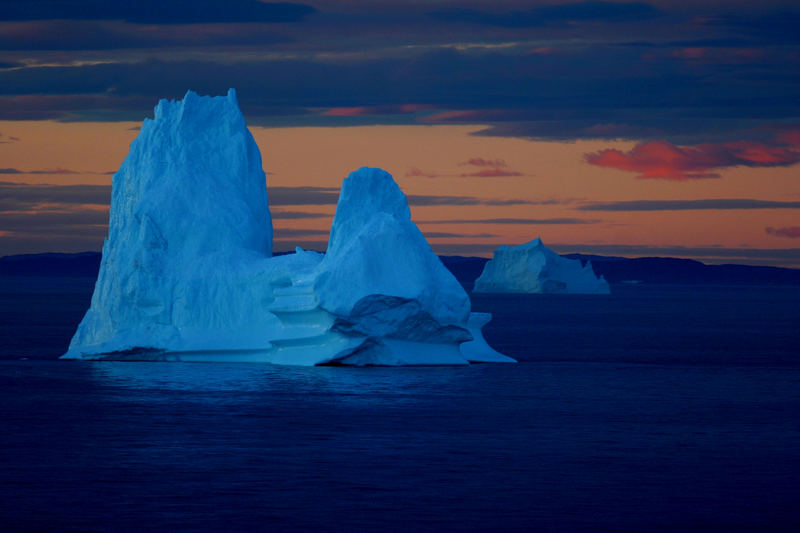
187, 272
534, 268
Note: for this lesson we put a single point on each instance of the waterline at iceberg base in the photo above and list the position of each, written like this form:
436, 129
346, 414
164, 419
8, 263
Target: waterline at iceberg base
187, 272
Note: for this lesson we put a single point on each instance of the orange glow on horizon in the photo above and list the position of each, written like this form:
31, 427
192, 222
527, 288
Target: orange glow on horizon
556, 180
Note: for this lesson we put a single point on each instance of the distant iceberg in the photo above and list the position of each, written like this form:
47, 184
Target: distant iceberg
187, 273
534, 268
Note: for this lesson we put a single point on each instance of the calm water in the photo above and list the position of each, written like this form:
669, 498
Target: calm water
655, 409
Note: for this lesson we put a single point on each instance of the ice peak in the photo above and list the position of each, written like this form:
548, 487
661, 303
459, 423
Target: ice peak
197, 159
195, 111
375, 248
366, 193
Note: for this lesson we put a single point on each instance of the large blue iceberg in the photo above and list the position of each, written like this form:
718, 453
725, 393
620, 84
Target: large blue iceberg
187, 272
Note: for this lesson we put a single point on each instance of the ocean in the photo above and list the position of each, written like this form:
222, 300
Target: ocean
657, 408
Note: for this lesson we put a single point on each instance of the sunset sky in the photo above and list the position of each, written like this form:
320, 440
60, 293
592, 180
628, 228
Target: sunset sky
665, 127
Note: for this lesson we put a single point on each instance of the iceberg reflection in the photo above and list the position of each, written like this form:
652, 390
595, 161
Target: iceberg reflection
372, 384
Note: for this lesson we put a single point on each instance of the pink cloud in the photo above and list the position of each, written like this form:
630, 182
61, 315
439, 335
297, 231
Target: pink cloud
57, 170
707, 55
792, 232
414, 172
788, 134
362, 111
492, 173
488, 168
465, 116
42, 171
691, 53
542, 51
481, 162
663, 160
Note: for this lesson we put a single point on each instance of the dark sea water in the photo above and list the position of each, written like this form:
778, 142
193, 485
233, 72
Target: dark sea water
654, 409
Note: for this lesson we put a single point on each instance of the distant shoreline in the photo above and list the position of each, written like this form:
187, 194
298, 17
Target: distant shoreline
643, 270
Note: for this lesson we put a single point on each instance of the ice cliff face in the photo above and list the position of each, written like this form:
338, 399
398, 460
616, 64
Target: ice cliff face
534, 268
188, 218
381, 279
187, 272
374, 242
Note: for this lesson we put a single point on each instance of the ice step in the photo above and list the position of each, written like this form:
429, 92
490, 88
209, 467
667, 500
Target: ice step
297, 303
295, 298
292, 290
298, 325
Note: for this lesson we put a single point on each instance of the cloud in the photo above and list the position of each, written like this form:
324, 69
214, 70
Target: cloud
771, 26
704, 56
414, 172
299, 232
682, 124
551, 15
489, 168
392, 64
544, 50
303, 195
662, 160
791, 232
425, 200
444, 235
60, 221
73, 106
295, 215
468, 116
388, 109
156, 12
280, 196
688, 205
492, 173
590, 93
465, 248
56, 170
78, 35
481, 162
519, 221
21, 196
788, 134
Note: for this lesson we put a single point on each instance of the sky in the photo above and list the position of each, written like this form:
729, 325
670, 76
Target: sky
659, 128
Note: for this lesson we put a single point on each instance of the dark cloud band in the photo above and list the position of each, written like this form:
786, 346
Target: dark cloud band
514, 221
688, 205
156, 12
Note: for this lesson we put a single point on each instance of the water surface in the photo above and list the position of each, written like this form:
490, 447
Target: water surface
654, 409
